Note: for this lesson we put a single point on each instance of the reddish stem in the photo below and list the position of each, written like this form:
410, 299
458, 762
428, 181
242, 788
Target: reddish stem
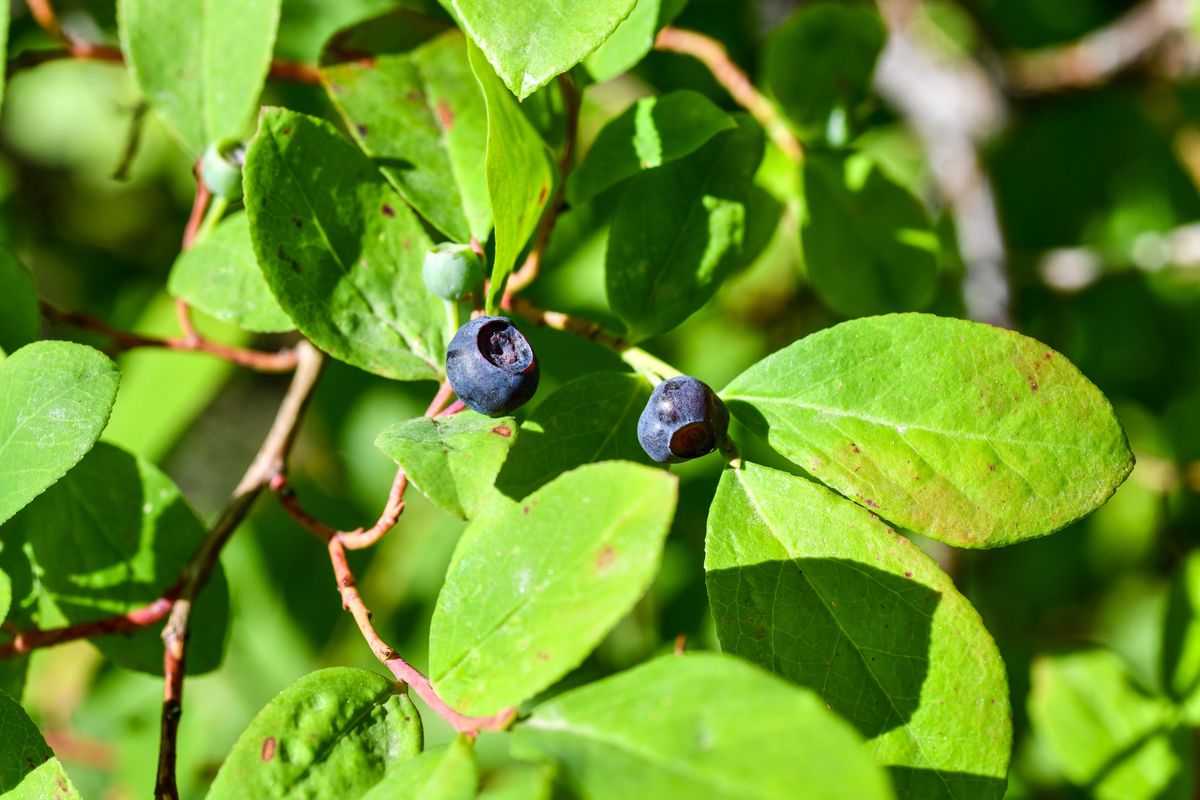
32, 639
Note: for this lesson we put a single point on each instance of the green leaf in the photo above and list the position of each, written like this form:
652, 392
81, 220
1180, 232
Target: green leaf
335, 733
534, 586
632, 39
201, 64
517, 781
19, 320
412, 104
1106, 733
648, 134
340, 250
5, 14
520, 176
678, 232
443, 773
592, 418
1180, 667
973, 435
700, 725
112, 536
821, 60
819, 591
220, 276
868, 244
28, 768
55, 398
453, 461
529, 43
5, 594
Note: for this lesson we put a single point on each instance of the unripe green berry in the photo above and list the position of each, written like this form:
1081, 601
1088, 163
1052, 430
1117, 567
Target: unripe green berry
452, 271
221, 168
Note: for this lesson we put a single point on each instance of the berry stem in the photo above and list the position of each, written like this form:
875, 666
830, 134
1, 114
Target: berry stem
452, 318
216, 210
654, 368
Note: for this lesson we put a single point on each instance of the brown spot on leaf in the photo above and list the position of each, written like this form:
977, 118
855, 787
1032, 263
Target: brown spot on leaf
286, 131
445, 115
870, 502
1033, 384
525, 510
542, 194
1048, 356
854, 447
388, 211
605, 558
362, 130
542, 655
502, 430
414, 96
908, 574
299, 223
285, 258
268, 748
991, 467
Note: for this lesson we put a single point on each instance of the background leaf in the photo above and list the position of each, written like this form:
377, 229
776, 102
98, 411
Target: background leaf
678, 232
632, 39
648, 134
674, 728
970, 434
820, 60
453, 461
579, 552
200, 63
520, 176
529, 43
19, 316
1105, 732
819, 591
340, 250
443, 773
28, 768
592, 418
220, 276
55, 398
334, 734
113, 535
408, 98
1180, 662
868, 246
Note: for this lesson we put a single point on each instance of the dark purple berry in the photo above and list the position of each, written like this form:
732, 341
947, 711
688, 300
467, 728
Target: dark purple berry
491, 366
683, 420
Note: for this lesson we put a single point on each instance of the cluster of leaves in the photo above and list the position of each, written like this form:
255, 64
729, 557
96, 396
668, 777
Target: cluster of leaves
851, 665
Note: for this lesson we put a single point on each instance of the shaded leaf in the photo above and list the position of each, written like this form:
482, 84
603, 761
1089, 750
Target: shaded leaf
454, 460
868, 244
442, 773
201, 64
970, 434
529, 43
819, 591
520, 176
19, 321
648, 134
340, 250
703, 726
55, 398
592, 418
335, 734
1106, 733
575, 556
632, 39
408, 98
1180, 667
28, 768
678, 232
220, 276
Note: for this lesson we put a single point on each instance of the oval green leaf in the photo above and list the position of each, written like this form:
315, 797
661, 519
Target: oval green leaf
55, 398
648, 134
868, 244
112, 536
819, 591
632, 39
453, 460
340, 250
412, 104
220, 276
443, 773
592, 418
201, 64
534, 586
530, 43
332, 735
19, 320
704, 726
28, 767
973, 435
679, 231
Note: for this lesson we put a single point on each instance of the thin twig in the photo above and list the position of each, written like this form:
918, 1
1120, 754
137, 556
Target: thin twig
269, 462
32, 638
183, 311
713, 55
529, 270
261, 361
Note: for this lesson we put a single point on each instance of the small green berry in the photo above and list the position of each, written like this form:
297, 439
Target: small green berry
221, 168
452, 271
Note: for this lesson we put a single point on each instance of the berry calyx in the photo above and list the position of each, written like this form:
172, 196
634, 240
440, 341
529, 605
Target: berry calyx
452, 271
684, 419
221, 168
491, 366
